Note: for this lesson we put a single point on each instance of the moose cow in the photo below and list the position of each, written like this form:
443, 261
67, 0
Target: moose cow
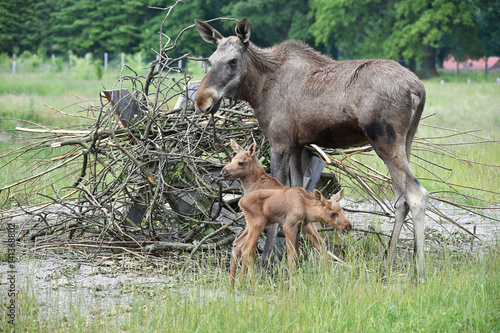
300, 97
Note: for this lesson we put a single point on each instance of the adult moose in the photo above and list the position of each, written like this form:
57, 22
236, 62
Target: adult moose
300, 96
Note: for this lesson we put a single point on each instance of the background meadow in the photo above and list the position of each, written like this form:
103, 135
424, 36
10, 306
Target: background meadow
461, 292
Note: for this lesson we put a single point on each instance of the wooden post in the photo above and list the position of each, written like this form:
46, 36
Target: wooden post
14, 64
127, 109
123, 105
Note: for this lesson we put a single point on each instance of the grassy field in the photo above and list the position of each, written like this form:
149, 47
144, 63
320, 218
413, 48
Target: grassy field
461, 293
455, 105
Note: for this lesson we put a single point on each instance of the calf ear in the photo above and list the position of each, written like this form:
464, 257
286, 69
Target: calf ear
252, 149
319, 196
207, 32
236, 147
243, 30
339, 195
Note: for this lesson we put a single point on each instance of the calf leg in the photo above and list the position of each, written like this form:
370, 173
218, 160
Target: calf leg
292, 243
280, 160
236, 253
312, 235
249, 246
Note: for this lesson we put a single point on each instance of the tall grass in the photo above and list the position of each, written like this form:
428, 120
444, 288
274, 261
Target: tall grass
459, 295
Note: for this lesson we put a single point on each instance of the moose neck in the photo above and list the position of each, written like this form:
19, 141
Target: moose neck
260, 64
315, 212
252, 180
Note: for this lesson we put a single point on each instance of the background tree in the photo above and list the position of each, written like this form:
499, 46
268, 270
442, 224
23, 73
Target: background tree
420, 26
408, 29
273, 21
357, 28
19, 23
111, 26
423, 31
488, 31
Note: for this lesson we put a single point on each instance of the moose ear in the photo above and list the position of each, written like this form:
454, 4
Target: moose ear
243, 30
207, 32
252, 149
339, 195
236, 147
319, 196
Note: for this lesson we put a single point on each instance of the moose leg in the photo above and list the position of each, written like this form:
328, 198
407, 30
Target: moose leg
400, 215
415, 195
296, 169
248, 250
236, 253
280, 170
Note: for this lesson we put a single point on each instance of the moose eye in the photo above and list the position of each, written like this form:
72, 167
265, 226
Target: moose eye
241, 163
333, 214
233, 62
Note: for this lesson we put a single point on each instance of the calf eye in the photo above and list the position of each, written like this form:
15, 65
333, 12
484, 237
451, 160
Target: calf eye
241, 163
333, 214
233, 62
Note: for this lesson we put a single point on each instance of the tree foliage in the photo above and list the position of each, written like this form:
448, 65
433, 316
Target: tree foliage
412, 30
402, 29
274, 21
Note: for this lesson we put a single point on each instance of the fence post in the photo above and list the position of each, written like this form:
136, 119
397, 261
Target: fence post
14, 64
87, 59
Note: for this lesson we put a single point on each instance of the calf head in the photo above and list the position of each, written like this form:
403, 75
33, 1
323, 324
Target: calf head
244, 163
228, 69
332, 213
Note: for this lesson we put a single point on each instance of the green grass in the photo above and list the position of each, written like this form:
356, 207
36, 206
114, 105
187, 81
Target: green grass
454, 104
459, 295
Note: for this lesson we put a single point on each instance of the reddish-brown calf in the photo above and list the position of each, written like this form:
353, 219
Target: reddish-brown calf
294, 208
246, 167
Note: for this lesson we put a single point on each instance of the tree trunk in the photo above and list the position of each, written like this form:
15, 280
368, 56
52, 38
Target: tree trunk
412, 65
428, 69
485, 65
334, 51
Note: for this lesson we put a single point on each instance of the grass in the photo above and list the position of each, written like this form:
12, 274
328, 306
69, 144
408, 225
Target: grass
461, 292
459, 295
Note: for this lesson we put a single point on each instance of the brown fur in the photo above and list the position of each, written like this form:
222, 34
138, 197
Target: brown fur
294, 208
246, 167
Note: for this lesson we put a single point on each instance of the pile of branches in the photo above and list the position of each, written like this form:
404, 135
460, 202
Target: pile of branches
144, 175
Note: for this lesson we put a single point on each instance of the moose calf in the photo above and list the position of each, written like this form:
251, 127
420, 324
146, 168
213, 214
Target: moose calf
293, 207
246, 167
